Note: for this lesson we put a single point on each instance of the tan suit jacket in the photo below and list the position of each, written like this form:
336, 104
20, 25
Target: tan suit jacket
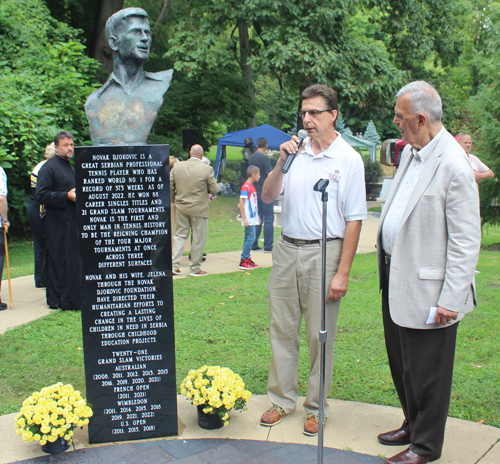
190, 183
437, 247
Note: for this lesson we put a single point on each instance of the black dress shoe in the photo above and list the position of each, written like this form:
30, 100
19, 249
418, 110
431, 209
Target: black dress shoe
3, 306
409, 457
395, 438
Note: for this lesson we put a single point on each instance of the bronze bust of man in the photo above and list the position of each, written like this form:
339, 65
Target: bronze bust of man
124, 109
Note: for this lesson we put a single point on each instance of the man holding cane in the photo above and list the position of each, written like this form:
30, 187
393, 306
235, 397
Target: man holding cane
295, 282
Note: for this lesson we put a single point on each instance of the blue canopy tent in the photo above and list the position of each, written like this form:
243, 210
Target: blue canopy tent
274, 138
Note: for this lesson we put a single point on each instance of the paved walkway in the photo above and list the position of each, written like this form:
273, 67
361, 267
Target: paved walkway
350, 433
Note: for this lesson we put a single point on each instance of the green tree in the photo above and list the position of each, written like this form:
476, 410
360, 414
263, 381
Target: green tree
471, 94
296, 44
371, 133
44, 81
421, 32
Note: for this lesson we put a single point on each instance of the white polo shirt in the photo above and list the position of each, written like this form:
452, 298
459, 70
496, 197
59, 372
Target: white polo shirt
302, 211
477, 164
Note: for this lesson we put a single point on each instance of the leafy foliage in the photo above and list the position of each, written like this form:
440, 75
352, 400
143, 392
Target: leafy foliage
293, 45
485, 108
373, 173
477, 83
44, 81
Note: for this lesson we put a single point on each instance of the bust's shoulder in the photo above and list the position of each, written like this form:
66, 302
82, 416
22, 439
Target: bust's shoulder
92, 98
161, 75
158, 81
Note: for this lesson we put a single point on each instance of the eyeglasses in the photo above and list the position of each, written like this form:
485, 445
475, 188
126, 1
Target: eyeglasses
312, 113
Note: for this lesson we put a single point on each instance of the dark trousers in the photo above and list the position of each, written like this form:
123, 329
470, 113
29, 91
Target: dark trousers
266, 214
38, 230
421, 363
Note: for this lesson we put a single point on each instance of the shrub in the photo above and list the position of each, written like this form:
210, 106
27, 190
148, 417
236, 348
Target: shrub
373, 174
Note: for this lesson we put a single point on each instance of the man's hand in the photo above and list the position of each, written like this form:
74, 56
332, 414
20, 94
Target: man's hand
245, 222
6, 225
338, 287
289, 148
72, 195
444, 316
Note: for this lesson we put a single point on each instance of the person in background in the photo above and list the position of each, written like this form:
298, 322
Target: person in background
191, 182
249, 212
36, 213
56, 191
171, 161
481, 171
266, 210
248, 150
5, 225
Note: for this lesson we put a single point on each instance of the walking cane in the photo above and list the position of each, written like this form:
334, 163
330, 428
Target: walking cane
321, 186
8, 267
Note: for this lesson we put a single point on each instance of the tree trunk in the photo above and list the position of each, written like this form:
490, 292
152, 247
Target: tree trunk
163, 13
246, 69
300, 124
99, 49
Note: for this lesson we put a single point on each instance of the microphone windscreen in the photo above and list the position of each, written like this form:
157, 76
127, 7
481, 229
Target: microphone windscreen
302, 134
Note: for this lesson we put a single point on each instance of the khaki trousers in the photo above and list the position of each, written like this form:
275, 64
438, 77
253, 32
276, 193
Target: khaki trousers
199, 228
294, 291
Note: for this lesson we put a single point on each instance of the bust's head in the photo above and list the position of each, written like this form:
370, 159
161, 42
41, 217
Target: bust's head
129, 35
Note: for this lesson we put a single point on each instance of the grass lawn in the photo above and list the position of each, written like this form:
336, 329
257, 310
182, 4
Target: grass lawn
21, 259
224, 320
225, 233
232, 153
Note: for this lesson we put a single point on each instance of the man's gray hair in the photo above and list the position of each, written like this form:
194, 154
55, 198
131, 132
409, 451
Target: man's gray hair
424, 99
114, 22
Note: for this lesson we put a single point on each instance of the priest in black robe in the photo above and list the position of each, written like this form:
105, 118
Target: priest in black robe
56, 190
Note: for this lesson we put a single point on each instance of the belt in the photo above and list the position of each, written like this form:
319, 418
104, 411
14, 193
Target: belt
300, 242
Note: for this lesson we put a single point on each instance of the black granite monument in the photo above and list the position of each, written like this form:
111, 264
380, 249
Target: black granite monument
123, 204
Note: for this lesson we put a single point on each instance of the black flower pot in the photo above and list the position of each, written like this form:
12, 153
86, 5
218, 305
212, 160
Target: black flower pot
55, 447
209, 421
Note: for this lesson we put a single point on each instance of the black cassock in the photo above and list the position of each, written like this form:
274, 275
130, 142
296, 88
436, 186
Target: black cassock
55, 179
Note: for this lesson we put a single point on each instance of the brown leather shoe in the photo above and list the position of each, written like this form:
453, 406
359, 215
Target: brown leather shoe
409, 457
311, 425
397, 437
272, 416
199, 273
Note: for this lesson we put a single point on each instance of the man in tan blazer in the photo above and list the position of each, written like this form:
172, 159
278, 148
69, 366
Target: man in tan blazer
190, 184
428, 246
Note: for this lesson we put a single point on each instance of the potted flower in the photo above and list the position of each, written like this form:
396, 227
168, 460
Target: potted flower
215, 391
50, 416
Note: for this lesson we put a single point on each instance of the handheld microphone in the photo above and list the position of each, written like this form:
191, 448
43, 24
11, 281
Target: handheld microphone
302, 134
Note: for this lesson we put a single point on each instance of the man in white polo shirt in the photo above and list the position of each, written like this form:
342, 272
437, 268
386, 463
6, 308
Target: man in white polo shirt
295, 281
